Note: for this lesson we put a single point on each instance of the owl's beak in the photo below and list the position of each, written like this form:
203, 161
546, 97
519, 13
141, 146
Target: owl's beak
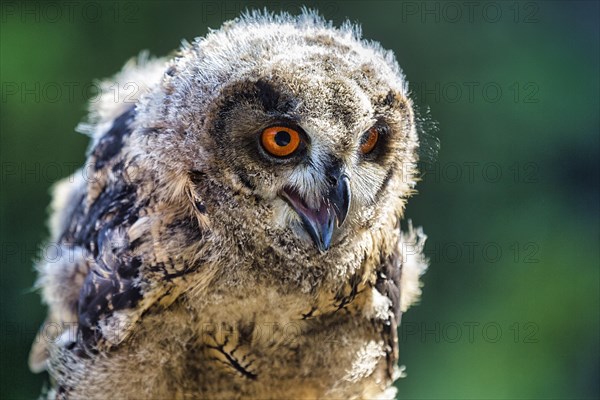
331, 213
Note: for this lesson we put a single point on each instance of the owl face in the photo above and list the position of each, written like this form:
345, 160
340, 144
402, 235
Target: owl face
310, 125
321, 154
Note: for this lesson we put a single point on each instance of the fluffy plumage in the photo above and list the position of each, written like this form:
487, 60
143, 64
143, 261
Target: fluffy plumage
185, 270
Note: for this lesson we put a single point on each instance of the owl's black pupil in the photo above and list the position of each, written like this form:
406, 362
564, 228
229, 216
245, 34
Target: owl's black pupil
282, 138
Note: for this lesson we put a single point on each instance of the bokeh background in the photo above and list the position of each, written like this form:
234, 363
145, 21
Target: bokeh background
511, 205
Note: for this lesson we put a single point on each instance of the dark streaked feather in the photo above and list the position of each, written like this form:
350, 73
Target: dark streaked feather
388, 284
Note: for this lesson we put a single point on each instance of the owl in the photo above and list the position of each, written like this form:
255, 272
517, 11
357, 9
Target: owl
235, 231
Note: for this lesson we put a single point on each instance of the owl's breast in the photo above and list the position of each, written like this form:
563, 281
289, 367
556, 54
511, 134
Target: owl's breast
262, 344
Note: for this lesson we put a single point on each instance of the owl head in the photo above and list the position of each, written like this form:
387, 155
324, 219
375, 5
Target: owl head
288, 130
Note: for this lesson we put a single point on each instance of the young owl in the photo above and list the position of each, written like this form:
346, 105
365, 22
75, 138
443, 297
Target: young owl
235, 231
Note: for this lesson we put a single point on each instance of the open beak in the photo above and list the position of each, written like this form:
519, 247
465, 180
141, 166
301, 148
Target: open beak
330, 214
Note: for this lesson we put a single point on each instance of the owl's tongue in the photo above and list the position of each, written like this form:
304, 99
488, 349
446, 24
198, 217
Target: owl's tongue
319, 223
331, 212
320, 215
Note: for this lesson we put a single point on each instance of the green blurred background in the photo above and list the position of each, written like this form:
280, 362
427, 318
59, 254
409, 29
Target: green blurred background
511, 206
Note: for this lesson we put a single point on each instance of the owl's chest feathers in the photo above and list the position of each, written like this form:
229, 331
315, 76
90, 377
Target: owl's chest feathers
258, 317
258, 336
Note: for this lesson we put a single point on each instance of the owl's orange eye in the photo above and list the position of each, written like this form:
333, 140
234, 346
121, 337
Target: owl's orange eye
280, 141
369, 141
